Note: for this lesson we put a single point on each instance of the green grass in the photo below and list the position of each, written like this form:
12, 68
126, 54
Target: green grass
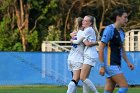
49, 89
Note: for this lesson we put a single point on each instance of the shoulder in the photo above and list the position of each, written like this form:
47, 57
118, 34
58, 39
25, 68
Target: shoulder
110, 27
108, 33
88, 29
80, 32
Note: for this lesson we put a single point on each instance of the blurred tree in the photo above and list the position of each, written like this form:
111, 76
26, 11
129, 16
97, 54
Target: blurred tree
134, 17
32, 19
25, 24
9, 39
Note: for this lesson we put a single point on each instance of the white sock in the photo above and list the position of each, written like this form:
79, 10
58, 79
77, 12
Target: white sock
71, 87
90, 85
85, 88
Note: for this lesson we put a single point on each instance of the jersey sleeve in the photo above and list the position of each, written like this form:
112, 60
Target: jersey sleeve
107, 35
90, 35
87, 33
80, 37
79, 40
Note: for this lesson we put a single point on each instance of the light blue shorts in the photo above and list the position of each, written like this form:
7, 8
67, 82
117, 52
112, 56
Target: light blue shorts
112, 70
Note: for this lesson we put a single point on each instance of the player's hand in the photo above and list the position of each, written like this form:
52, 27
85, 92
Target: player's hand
131, 66
73, 34
71, 40
99, 42
102, 71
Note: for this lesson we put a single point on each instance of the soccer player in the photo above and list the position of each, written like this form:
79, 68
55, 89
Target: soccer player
111, 52
90, 52
75, 57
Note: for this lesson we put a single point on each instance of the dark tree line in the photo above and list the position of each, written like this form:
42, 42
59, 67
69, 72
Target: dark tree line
24, 24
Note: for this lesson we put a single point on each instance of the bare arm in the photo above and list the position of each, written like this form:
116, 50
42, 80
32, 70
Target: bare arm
124, 56
101, 51
78, 41
87, 43
131, 66
101, 58
73, 34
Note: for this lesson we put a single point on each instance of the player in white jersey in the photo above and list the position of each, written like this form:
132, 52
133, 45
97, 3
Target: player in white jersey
90, 52
75, 57
76, 54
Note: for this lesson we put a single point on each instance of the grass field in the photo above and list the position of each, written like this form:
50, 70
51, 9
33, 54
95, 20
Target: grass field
49, 89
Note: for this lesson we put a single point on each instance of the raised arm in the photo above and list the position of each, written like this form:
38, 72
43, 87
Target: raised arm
87, 43
78, 41
72, 34
90, 37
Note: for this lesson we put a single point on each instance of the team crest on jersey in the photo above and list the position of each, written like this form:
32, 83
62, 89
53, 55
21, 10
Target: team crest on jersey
104, 36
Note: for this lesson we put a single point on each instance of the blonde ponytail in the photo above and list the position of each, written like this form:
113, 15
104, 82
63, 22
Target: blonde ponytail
95, 29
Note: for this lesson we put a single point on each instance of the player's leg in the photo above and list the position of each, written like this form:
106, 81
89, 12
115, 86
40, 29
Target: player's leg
109, 86
71, 73
85, 71
76, 68
85, 88
121, 81
72, 86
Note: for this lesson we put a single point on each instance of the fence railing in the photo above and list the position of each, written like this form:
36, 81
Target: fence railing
132, 43
57, 46
132, 40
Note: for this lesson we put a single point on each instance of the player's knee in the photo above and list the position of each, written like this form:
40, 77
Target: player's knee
82, 78
123, 90
123, 85
75, 82
76, 79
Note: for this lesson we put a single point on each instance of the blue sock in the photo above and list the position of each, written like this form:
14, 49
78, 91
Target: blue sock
122, 90
107, 91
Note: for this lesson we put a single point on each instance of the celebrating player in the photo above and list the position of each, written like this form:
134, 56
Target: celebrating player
75, 57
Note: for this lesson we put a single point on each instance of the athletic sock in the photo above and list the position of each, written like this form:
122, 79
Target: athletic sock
122, 90
71, 87
90, 85
85, 88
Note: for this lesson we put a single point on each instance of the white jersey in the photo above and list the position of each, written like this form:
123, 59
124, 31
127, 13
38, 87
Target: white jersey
76, 54
90, 35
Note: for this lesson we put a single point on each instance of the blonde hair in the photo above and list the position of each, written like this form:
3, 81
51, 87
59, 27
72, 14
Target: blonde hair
93, 24
95, 29
78, 24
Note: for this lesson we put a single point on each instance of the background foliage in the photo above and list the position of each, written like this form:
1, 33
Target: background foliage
24, 24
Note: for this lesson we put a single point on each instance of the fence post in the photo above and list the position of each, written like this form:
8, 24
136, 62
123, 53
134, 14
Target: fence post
43, 47
131, 41
127, 41
48, 47
139, 41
